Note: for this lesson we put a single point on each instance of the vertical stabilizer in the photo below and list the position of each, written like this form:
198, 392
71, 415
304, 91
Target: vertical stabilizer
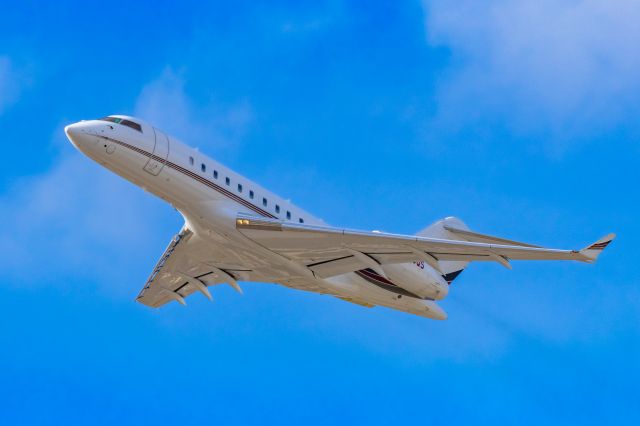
450, 269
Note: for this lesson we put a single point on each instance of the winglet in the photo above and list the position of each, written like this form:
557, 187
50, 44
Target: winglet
592, 252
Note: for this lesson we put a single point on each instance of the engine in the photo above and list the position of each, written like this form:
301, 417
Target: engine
418, 278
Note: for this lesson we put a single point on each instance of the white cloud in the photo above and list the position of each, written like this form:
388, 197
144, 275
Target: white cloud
10, 84
164, 103
568, 68
80, 221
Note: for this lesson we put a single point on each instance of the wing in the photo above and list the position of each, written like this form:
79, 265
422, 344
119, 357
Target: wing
181, 271
331, 251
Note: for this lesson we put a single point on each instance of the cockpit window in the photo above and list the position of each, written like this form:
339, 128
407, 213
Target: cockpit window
124, 122
111, 119
132, 124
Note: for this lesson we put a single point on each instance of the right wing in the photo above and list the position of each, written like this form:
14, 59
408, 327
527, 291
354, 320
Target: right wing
333, 251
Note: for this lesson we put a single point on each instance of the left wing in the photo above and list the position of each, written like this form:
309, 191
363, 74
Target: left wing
181, 272
332, 251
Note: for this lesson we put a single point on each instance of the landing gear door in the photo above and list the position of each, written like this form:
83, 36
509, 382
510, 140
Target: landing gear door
160, 153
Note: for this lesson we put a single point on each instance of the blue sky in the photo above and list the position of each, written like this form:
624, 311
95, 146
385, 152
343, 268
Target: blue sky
522, 118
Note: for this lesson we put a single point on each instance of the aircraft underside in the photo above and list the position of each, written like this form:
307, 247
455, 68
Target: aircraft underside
236, 231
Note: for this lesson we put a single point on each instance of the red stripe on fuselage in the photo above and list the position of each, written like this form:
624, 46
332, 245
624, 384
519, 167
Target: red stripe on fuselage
195, 176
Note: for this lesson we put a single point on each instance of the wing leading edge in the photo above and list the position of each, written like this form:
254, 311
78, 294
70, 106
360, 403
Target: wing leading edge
331, 251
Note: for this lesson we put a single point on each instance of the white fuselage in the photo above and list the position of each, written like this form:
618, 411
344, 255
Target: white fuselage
210, 196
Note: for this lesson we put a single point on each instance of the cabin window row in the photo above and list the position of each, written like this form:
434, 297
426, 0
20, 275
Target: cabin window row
227, 181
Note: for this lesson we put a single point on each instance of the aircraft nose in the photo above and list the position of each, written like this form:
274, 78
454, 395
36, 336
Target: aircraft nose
79, 134
71, 131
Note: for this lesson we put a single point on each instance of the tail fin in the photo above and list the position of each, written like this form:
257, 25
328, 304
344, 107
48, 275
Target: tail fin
450, 269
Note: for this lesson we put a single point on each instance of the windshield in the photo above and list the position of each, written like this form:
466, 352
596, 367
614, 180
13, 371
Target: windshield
124, 122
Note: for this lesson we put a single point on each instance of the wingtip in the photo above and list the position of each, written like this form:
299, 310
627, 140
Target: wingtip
602, 242
592, 252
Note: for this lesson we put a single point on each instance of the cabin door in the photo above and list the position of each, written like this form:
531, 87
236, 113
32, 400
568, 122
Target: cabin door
160, 153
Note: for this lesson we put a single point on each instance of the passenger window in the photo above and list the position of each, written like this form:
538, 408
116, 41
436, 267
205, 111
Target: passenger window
239, 187
277, 208
289, 215
227, 181
215, 174
203, 167
301, 220
191, 160
251, 194
264, 202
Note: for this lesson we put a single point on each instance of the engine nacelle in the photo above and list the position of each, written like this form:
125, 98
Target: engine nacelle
418, 278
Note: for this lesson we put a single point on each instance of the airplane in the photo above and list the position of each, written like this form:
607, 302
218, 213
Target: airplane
235, 230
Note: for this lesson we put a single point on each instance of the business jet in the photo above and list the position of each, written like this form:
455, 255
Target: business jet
236, 230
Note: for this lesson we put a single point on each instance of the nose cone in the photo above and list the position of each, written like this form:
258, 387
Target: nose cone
80, 135
73, 133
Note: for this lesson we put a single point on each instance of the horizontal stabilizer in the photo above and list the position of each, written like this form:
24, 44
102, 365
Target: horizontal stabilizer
592, 252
